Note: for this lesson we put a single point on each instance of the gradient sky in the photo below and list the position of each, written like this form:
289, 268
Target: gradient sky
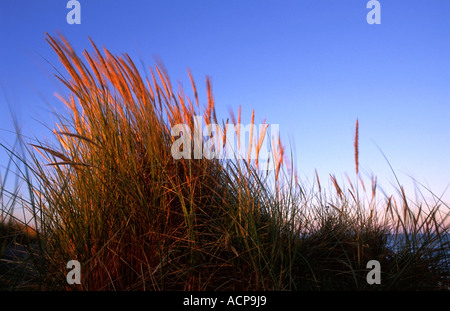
313, 67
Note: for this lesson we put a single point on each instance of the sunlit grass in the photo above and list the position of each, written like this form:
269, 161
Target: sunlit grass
110, 194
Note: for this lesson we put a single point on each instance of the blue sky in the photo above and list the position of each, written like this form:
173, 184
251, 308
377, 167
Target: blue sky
313, 67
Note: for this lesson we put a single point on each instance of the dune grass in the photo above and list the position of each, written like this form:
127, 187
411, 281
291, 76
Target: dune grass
110, 194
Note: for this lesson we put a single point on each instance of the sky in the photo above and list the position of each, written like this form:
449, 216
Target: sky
313, 67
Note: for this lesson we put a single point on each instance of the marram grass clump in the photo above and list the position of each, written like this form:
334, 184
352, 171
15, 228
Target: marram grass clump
110, 194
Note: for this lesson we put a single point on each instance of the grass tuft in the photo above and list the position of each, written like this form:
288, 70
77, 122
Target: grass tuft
109, 194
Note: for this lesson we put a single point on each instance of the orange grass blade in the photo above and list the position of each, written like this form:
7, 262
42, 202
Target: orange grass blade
357, 147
